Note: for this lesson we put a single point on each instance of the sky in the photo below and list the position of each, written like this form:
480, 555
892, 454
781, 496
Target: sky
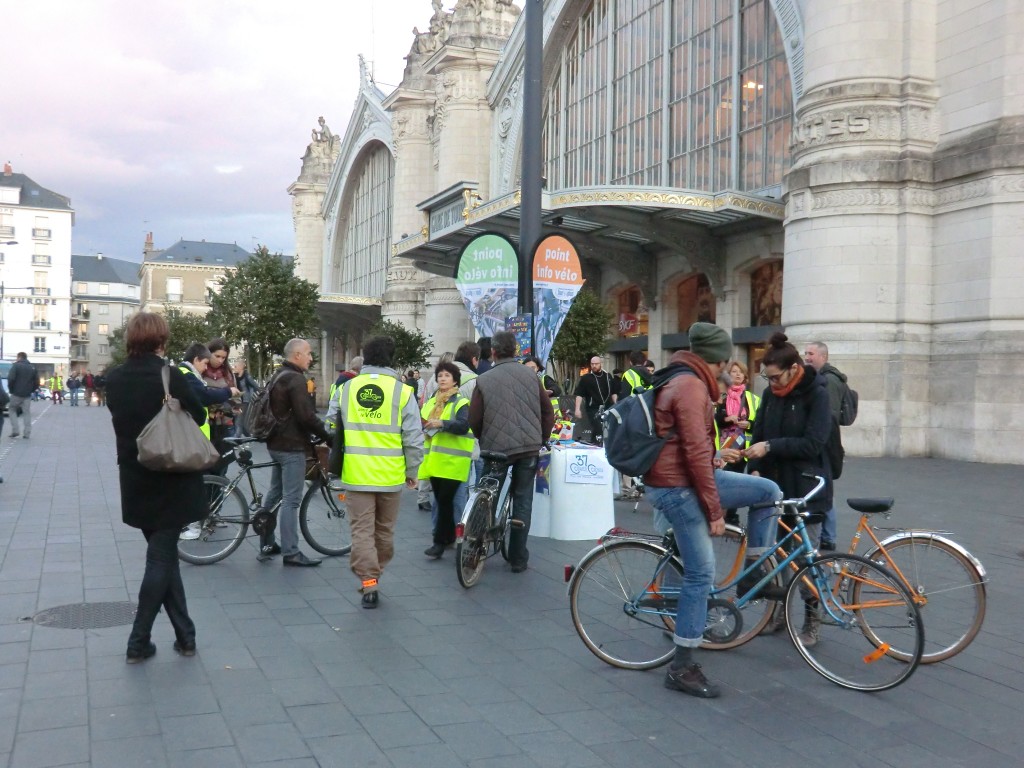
185, 118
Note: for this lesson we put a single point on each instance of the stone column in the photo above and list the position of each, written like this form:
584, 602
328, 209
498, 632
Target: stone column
858, 242
446, 318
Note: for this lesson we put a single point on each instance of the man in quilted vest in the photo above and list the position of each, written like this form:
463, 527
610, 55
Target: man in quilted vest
510, 413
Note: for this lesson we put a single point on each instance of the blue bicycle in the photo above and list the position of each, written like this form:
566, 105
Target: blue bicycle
850, 619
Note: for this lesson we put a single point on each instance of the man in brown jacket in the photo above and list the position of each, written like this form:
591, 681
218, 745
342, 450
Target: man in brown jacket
686, 488
289, 444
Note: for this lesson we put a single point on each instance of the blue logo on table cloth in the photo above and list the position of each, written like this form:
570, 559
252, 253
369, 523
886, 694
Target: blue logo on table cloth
586, 466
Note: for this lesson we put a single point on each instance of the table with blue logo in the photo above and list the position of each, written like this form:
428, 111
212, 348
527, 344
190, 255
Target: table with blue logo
573, 496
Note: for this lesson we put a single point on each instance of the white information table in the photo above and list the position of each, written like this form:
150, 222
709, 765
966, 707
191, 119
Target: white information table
577, 502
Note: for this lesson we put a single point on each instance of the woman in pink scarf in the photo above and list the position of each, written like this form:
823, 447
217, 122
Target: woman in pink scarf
735, 415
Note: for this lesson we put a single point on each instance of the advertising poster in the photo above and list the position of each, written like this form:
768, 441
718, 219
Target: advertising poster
488, 281
586, 467
520, 326
557, 278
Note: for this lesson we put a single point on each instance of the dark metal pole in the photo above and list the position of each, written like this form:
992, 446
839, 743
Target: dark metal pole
530, 190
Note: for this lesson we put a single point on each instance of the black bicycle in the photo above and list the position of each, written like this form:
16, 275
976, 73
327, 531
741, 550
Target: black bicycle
487, 520
322, 516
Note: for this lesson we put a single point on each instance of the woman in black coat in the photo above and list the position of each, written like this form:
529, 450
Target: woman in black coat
790, 433
158, 503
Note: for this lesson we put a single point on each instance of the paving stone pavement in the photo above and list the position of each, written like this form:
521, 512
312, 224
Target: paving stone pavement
291, 671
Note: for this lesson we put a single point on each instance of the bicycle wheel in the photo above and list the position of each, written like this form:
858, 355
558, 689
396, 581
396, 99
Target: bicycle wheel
730, 552
847, 631
222, 531
504, 523
324, 522
471, 546
950, 590
618, 606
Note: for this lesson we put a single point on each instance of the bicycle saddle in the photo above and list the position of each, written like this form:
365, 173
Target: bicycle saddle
494, 456
870, 506
239, 440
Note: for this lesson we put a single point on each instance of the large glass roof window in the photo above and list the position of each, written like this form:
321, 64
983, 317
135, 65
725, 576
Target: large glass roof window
366, 228
646, 94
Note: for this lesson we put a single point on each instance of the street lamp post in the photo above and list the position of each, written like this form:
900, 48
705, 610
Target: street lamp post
532, 162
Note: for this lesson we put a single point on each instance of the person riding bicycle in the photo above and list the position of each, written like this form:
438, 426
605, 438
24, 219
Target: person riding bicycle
685, 486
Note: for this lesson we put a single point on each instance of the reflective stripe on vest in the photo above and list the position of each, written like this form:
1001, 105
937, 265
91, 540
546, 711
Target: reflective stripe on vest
447, 455
370, 413
636, 383
205, 429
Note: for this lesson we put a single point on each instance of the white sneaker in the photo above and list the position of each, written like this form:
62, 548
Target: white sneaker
190, 532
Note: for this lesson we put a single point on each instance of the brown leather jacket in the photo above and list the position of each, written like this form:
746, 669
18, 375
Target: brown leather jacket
684, 406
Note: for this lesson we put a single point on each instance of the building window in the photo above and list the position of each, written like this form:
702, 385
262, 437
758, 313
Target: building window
104, 289
766, 294
695, 303
103, 309
632, 313
365, 245
82, 288
40, 344
103, 329
103, 349
174, 289
630, 104
39, 321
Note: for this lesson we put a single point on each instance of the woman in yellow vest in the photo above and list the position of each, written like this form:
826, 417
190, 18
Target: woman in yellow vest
448, 451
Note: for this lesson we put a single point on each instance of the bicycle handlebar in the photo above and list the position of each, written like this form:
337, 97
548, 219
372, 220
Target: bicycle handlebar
801, 503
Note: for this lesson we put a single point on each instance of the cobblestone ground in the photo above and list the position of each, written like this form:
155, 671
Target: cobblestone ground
291, 671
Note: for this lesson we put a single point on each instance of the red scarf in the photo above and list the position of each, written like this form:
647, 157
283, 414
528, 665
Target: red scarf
783, 391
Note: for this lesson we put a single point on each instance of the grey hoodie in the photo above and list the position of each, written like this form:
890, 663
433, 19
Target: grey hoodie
835, 381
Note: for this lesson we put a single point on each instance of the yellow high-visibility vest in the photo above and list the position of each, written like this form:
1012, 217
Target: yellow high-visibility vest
205, 428
636, 383
371, 406
447, 455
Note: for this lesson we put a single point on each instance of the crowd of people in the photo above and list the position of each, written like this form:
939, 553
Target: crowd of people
726, 448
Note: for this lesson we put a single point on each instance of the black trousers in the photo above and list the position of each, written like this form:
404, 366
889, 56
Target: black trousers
444, 491
524, 477
161, 586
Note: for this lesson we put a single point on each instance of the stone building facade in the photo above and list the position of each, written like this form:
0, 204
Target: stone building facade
849, 170
104, 294
184, 275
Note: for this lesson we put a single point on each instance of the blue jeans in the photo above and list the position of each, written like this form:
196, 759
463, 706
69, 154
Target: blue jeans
680, 510
736, 490
287, 484
74, 397
828, 526
524, 477
683, 513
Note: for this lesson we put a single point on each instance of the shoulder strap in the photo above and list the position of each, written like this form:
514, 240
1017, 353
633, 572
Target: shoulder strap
165, 377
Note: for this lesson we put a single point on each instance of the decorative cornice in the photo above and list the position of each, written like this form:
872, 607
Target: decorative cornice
666, 199
339, 298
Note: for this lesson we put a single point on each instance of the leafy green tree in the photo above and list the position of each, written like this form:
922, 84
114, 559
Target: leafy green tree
186, 328
583, 334
412, 347
118, 351
264, 304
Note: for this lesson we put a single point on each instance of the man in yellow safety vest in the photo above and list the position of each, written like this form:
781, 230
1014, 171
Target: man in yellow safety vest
381, 438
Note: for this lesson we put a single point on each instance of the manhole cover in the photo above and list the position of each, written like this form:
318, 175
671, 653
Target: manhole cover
87, 615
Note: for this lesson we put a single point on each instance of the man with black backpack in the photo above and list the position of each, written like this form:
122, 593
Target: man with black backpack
839, 398
684, 486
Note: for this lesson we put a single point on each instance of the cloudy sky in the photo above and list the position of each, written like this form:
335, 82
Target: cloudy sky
185, 118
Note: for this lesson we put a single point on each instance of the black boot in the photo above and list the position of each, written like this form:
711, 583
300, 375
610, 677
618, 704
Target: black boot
770, 591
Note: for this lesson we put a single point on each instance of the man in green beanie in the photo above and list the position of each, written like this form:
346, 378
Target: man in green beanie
685, 488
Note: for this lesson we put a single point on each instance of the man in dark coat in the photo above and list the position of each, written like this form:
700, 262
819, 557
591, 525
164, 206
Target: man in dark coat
596, 391
511, 413
289, 444
22, 381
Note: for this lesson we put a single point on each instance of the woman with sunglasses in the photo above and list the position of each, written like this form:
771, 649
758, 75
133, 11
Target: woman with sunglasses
790, 433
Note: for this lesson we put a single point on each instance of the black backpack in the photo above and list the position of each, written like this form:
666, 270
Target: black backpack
631, 443
848, 406
260, 421
834, 450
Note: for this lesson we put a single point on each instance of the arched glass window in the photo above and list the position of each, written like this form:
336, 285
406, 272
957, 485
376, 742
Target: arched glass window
645, 95
366, 236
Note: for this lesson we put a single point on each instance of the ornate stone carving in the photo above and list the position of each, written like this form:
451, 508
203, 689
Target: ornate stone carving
507, 112
855, 198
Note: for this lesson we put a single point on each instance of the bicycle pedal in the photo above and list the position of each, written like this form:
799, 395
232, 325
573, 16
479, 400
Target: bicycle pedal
517, 523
